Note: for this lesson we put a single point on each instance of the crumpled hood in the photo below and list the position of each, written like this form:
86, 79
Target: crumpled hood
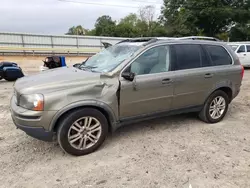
55, 79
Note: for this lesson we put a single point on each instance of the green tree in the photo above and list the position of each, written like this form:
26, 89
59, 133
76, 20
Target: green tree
206, 17
240, 32
78, 30
105, 26
91, 32
131, 19
127, 27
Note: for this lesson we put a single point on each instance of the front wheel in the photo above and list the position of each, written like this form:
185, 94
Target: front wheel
82, 131
215, 107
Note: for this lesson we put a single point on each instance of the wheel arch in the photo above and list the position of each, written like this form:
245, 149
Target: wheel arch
227, 89
102, 107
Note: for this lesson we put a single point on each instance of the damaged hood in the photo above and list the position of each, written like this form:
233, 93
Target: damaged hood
56, 80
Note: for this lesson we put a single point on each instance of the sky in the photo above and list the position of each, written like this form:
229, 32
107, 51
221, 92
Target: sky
57, 16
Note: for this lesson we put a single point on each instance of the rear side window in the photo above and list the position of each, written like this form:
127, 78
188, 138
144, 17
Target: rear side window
248, 48
218, 55
188, 56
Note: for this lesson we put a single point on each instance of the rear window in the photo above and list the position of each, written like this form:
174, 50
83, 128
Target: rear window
218, 55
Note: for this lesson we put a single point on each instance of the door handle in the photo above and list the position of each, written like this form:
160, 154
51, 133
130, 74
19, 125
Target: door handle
166, 81
244, 54
209, 75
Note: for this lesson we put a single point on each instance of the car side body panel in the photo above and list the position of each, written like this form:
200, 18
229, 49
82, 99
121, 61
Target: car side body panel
191, 87
146, 94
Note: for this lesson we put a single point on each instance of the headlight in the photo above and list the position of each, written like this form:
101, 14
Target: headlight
32, 102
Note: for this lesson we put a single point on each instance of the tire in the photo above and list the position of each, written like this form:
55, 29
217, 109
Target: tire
207, 111
11, 79
69, 127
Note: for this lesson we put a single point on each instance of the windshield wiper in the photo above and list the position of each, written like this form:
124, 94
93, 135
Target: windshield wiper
88, 67
84, 67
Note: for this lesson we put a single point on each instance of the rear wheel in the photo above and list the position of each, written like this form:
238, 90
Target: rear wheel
82, 131
215, 107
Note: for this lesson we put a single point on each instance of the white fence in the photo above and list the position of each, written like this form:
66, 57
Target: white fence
15, 43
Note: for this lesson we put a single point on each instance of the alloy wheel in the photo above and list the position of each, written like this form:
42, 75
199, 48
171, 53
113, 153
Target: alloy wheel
217, 107
84, 133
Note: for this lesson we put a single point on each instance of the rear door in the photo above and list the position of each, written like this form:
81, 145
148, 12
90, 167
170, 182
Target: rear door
193, 76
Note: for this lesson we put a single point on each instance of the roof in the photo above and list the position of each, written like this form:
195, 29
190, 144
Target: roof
145, 41
243, 42
148, 40
188, 42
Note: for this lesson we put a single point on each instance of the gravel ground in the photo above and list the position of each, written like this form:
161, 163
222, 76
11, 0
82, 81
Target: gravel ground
170, 152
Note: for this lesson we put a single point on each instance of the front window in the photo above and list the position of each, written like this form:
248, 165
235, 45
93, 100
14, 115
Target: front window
241, 49
154, 60
111, 57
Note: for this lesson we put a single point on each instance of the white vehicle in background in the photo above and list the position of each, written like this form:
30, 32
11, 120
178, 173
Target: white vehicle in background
242, 49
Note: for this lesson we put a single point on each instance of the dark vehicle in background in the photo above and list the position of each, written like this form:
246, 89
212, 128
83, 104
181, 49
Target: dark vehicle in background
10, 71
53, 62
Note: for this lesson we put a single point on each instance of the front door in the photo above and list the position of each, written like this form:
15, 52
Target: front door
151, 91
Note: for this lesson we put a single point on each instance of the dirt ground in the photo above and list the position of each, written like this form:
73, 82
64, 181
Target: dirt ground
176, 151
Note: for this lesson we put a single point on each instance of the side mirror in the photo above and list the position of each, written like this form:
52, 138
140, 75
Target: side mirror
128, 75
77, 65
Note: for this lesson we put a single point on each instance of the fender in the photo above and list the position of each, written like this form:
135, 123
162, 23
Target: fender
94, 103
225, 83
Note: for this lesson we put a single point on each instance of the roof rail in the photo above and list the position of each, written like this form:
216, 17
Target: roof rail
198, 38
147, 40
150, 41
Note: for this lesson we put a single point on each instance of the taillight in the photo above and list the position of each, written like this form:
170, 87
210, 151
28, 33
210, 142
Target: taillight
242, 71
242, 68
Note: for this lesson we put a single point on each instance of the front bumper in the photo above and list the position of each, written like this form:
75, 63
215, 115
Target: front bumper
33, 123
37, 132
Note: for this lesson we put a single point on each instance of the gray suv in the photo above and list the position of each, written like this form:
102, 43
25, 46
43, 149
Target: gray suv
134, 80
